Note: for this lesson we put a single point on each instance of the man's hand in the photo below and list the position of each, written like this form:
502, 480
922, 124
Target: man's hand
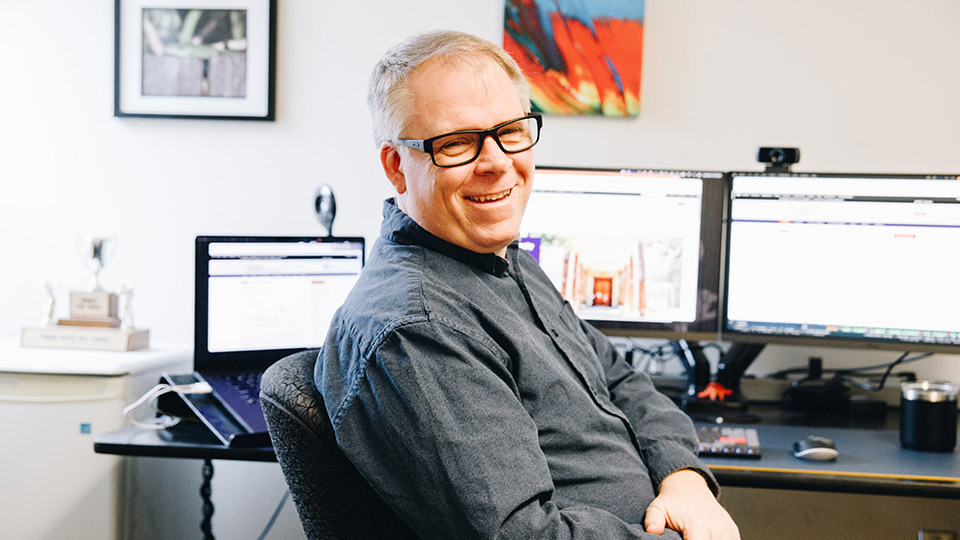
686, 505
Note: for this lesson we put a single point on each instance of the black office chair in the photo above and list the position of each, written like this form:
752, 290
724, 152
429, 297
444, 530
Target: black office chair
333, 500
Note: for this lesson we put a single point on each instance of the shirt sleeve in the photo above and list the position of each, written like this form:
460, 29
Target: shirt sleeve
666, 434
435, 424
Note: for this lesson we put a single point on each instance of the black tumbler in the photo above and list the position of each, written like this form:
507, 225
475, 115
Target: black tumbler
928, 416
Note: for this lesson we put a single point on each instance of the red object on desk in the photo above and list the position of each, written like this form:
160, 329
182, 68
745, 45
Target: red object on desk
715, 391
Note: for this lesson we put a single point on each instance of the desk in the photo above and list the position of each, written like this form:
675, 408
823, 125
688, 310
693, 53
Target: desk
186, 440
871, 461
875, 489
189, 439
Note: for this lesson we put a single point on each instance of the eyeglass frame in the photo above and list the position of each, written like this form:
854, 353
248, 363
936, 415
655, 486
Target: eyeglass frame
426, 145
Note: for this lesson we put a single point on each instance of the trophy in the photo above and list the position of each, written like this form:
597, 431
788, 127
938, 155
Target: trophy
94, 322
95, 306
96, 252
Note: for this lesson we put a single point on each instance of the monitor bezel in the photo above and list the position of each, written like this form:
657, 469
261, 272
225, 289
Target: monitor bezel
728, 334
706, 326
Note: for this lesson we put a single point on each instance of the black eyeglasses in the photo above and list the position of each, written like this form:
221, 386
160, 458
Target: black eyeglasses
462, 147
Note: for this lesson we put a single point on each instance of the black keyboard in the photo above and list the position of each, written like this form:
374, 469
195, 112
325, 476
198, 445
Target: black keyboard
247, 384
728, 442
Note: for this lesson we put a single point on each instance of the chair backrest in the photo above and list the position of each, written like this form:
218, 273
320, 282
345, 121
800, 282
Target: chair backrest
333, 500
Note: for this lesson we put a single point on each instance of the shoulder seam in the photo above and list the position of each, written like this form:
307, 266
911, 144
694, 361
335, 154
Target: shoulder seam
355, 384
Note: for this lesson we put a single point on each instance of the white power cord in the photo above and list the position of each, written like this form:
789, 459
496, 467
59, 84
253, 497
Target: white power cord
159, 390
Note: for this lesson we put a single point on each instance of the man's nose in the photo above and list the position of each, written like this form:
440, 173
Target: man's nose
492, 158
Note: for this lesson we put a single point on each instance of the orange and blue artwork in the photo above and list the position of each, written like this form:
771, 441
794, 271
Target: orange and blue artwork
579, 56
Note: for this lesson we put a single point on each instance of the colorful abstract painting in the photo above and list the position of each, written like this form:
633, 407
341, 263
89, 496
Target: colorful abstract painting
580, 56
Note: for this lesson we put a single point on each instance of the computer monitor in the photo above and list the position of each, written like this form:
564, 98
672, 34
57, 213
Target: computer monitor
864, 260
635, 252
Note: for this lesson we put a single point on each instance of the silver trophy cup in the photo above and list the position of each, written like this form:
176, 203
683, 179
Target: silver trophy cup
96, 251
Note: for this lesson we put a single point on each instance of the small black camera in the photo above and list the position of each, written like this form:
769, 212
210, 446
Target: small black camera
779, 156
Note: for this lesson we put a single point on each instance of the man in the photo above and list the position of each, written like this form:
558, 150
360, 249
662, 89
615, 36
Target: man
457, 380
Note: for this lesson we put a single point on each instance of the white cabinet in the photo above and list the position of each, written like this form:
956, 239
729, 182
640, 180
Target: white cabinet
53, 402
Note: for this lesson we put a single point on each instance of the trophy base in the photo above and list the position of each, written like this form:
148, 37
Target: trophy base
98, 322
76, 337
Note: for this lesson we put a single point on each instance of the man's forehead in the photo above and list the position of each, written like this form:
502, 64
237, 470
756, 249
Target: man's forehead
437, 85
480, 68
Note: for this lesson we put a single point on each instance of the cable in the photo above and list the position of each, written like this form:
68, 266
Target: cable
159, 390
276, 513
903, 358
846, 371
888, 370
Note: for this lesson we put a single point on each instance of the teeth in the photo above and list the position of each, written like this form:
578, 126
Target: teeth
494, 197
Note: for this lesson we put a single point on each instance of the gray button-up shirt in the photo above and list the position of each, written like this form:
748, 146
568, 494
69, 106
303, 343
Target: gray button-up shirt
478, 405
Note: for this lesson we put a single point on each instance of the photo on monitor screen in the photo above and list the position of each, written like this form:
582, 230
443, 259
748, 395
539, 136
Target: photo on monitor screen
633, 252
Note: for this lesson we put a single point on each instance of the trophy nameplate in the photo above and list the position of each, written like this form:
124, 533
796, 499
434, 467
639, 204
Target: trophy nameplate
99, 304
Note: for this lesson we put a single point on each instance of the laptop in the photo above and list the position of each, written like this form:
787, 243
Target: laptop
259, 299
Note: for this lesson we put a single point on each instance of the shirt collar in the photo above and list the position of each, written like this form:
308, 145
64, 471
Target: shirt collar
400, 228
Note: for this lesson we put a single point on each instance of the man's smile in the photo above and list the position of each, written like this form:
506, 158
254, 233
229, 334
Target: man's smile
490, 198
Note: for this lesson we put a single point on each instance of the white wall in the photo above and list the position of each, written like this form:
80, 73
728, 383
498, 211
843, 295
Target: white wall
857, 86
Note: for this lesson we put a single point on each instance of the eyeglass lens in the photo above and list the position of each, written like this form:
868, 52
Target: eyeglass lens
458, 148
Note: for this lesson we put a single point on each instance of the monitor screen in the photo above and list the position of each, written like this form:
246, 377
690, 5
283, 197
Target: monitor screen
843, 259
258, 293
636, 253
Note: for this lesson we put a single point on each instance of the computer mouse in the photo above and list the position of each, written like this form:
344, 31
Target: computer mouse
815, 448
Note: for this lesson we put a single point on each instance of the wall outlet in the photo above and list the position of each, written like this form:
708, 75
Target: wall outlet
936, 535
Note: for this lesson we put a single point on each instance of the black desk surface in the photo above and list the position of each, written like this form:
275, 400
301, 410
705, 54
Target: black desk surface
870, 461
185, 440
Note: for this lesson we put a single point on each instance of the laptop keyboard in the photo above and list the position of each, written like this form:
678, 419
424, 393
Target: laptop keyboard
728, 442
239, 393
247, 385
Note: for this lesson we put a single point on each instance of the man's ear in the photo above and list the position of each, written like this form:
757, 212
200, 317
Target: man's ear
391, 160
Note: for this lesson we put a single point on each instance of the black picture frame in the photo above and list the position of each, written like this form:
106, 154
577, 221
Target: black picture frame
192, 59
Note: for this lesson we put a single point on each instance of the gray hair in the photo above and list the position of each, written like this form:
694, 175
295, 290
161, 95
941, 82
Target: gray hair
388, 95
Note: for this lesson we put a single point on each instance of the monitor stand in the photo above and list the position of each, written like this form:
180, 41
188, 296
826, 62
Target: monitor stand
721, 400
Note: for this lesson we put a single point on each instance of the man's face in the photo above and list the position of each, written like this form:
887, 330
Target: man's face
477, 206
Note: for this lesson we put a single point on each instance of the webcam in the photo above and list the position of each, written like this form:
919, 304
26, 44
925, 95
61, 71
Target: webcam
325, 205
777, 155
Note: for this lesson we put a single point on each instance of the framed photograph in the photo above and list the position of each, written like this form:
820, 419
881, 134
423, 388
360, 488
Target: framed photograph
211, 59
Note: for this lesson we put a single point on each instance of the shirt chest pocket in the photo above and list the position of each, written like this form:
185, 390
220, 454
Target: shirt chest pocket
568, 319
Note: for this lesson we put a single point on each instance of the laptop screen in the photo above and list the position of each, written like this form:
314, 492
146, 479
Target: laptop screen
259, 298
